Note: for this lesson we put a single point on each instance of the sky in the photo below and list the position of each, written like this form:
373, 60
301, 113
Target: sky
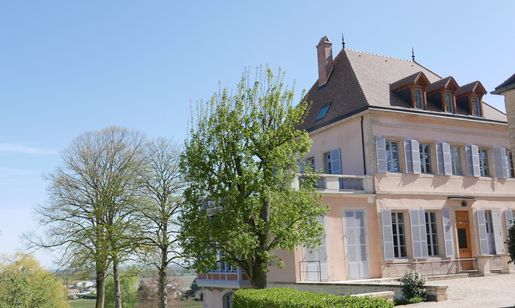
67, 67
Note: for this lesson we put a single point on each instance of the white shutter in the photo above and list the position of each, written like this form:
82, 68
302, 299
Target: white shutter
500, 163
408, 156
386, 219
472, 152
336, 162
447, 232
381, 154
481, 228
496, 226
447, 160
508, 217
439, 158
415, 156
418, 234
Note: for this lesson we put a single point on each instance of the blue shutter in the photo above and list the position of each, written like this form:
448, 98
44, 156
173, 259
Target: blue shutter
496, 226
500, 163
415, 156
447, 232
408, 156
336, 163
418, 234
472, 152
381, 154
481, 229
439, 158
386, 219
447, 159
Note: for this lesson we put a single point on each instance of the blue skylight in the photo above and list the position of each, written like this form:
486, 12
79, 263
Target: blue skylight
322, 113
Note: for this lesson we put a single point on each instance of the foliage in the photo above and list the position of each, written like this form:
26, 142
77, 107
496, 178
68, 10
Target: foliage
240, 161
291, 298
129, 283
511, 243
413, 285
23, 283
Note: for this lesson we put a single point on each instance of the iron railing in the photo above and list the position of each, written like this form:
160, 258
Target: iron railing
310, 271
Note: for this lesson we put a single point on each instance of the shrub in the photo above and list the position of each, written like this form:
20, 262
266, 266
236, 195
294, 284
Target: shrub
413, 285
511, 243
286, 298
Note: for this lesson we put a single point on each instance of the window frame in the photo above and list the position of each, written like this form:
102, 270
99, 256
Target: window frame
484, 167
451, 102
459, 160
322, 114
417, 90
389, 156
431, 224
426, 166
475, 102
398, 236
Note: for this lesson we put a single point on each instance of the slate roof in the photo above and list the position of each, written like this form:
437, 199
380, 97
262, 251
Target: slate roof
360, 80
508, 84
442, 83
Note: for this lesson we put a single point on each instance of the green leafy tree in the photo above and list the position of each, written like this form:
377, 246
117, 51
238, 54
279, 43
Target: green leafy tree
511, 243
129, 283
240, 161
23, 283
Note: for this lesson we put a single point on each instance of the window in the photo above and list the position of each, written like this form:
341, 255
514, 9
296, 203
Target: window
323, 112
476, 106
456, 160
490, 232
483, 162
332, 162
392, 156
419, 98
509, 164
425, 158
432, 236
399, 235
449, 106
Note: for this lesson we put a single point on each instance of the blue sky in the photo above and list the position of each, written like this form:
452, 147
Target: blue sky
67, 67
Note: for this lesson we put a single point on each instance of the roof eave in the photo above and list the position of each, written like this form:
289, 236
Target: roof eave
500, 91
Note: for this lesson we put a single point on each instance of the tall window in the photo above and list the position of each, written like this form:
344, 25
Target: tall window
509, 163
449, 106
392, 156
456, 160
425, 158
490, 232
399, 235
419, 98
483, 162
432, 236
476, 107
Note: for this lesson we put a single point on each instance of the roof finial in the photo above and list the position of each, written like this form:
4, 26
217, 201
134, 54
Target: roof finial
412, 54
343, 42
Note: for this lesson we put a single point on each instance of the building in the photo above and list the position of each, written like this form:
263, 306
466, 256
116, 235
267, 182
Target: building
416, 170
507, 89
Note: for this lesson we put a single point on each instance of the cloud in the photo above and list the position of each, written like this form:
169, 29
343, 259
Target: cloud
21, 149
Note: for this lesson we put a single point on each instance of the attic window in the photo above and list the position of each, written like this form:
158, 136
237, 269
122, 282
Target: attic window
476, 107
419, 98
323, 112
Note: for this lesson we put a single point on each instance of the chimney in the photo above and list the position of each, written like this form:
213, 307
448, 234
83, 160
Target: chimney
507, 89
325, 60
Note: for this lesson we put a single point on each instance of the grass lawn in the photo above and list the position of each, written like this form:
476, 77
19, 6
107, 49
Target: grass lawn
82, 303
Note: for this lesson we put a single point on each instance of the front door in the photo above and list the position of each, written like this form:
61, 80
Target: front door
356, 238
464, 248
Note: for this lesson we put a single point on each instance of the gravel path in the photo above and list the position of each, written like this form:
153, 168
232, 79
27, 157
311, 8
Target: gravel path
490, 291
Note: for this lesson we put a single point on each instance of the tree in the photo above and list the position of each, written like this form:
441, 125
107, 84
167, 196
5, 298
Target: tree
129, 283
23, 283
511, 242
240, 161
92, 198
163, 186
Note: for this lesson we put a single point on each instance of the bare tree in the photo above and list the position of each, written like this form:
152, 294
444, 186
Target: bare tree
161, 206
91, 202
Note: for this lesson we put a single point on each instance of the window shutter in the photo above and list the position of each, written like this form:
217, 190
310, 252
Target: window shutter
408, 156
447, 232
336, 162
472, 152
418, 234
381, 154
500, 163
415, 156
508, 217
439, 159
322, 253
447, 160
386, 218
496, 226
481, 228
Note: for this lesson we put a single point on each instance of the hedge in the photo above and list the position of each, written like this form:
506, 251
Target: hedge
291, 298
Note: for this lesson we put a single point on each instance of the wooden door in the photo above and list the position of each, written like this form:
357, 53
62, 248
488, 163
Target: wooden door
464, 244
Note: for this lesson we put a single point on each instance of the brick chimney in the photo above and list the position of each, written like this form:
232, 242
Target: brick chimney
325, 60
507, 89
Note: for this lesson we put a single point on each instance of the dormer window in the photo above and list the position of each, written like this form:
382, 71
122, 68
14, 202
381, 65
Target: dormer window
419, 98
449, 102
476, 106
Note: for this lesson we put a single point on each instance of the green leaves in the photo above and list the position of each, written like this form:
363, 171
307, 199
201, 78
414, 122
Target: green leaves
242, 156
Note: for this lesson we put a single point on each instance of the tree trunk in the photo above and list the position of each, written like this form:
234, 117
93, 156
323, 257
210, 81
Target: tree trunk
100, 289
258, 278
163, 293
116, 276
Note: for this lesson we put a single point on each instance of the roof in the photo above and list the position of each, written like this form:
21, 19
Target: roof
508, 84
471, 87
361, 80
410, 80
442, 83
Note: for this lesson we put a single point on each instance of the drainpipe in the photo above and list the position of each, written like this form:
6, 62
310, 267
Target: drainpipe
363, 148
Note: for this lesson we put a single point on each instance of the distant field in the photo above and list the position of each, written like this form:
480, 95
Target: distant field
82, 303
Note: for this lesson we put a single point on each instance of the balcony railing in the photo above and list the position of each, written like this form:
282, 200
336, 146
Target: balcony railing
223, 278
432, 268
342, 183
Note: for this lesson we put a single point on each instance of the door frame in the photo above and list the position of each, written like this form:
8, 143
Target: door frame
345, 240
468, 238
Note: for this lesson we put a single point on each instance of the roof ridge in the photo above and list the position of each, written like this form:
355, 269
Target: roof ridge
378, 55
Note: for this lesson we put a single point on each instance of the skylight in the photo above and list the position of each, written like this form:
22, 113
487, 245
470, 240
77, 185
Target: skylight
323, 112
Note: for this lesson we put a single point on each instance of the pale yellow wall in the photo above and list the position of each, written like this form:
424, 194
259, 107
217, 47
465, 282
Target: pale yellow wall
290, 272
